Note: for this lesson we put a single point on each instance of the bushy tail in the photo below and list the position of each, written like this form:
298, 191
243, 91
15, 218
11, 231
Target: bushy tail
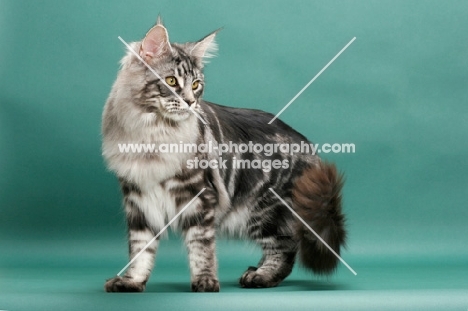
317, 199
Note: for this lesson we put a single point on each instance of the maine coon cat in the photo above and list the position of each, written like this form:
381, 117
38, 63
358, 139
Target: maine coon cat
141, 108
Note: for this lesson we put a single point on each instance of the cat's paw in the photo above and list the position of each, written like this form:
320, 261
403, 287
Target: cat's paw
119, 284
205, 284
253, 279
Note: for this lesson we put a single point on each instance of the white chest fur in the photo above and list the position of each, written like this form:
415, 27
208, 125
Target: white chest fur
148, 170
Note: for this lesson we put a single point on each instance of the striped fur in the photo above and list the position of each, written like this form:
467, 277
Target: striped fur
156, 186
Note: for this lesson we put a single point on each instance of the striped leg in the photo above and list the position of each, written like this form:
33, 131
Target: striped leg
200, 240
276, 264
139, 235
272, 229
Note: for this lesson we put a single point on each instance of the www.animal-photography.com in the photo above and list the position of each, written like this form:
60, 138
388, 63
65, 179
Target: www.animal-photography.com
214, 155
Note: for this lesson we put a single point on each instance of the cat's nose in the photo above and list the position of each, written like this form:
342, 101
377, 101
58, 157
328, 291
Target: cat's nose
190, 102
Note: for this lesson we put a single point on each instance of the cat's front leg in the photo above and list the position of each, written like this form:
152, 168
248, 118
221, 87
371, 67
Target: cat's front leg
139, 235
199, 234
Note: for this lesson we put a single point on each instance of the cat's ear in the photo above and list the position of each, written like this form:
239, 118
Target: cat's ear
156, 43
206, 47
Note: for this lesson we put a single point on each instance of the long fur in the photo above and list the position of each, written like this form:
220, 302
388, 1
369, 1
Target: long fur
142, 109
317, 199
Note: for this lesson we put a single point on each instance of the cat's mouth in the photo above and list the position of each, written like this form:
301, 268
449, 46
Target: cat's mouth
177, 114
178, 111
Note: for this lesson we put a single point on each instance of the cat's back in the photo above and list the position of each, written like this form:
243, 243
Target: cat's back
243, 124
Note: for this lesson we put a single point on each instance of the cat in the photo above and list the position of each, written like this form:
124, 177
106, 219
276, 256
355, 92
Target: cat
142, 108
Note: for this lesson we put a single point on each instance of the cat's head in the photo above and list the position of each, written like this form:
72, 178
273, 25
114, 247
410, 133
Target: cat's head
180, 67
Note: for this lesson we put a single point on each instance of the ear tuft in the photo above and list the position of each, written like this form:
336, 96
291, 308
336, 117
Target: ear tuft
159, 20
206, 47
156, 43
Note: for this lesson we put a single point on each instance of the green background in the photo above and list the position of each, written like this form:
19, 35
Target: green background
399, 93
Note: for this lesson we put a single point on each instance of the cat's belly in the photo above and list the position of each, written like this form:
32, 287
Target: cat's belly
234, 223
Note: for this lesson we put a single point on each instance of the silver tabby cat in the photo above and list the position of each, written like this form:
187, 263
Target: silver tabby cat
141, 108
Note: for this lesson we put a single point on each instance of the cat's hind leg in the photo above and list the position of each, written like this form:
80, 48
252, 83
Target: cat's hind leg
274, 233
276, 264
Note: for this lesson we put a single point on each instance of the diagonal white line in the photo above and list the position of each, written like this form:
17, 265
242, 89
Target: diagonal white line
160, 232
162, 80
312, 230
313, 79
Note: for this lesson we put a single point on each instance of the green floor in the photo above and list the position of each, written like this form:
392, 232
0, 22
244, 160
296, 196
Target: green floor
69, 275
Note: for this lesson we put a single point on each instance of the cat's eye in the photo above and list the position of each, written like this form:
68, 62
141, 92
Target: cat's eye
195, 85
171, 81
